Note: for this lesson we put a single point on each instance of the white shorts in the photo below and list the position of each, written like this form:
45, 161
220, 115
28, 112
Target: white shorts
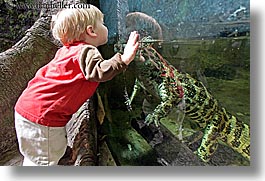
40, 145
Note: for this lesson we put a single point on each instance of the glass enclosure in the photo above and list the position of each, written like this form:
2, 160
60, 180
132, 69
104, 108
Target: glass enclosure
177, 18
206, 41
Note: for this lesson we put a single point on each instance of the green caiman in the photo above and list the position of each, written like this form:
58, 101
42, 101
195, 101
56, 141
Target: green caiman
172, 87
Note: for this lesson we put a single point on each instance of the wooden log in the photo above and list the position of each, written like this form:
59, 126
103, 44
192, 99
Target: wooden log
170, 151
82, 137
84, 147
105, 157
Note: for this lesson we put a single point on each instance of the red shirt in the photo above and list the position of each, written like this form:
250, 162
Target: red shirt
57, 90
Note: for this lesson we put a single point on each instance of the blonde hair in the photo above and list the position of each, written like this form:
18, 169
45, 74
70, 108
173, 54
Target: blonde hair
69, 24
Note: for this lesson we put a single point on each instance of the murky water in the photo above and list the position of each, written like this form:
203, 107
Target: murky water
221, 64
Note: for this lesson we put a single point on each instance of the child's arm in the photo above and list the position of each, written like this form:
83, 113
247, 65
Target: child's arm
95, 68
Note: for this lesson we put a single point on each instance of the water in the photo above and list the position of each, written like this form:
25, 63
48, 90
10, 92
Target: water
221, 64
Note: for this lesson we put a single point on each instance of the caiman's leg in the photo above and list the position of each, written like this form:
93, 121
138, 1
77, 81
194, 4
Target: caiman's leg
229, 129
168, 102
160, 111
209, 141
208, 145
237, 135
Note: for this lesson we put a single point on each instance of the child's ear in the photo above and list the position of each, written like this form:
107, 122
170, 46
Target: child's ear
90, 31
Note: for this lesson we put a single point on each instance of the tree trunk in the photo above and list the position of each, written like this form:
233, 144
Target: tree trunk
18, 65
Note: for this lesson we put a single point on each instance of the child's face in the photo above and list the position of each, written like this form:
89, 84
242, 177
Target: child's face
102, 31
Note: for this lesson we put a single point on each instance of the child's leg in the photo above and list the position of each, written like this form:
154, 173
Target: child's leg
40, 145
57, 144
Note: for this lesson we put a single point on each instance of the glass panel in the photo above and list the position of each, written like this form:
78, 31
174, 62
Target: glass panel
178, 19
207, 42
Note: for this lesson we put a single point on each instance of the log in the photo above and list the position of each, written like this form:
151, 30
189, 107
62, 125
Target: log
105, 157
84, 146
82, 137
170, 151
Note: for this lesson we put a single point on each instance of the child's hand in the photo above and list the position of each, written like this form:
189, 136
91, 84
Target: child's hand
130, 48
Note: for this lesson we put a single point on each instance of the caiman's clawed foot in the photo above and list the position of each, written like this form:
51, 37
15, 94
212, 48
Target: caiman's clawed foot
152, 118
